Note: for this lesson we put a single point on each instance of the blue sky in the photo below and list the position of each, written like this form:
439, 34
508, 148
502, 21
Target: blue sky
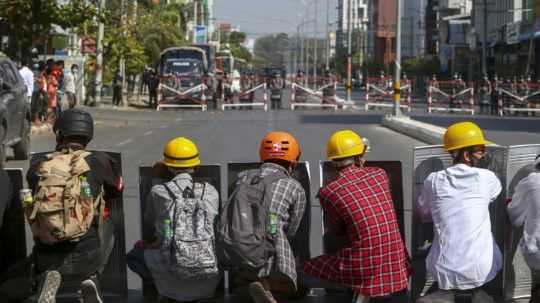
260, 17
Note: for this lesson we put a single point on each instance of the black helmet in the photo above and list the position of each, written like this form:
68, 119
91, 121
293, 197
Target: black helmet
75, 122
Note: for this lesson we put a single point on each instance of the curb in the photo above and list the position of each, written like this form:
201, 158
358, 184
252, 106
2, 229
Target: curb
425, 132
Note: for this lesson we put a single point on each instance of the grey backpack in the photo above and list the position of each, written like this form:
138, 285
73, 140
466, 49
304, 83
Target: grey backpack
243, 238
188, 242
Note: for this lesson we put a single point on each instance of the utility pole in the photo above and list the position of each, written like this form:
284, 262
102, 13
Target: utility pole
484, 42
315, 44
327, 34
99, 55
195, 21
397, 72
349, 51
123, 20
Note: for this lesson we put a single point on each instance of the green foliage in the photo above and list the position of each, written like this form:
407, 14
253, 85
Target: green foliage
421, 66
271, 50
30, 20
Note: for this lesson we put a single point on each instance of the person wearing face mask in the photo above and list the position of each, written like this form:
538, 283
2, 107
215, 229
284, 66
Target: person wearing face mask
464, 255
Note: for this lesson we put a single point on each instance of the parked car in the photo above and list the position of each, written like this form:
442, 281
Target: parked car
14, 112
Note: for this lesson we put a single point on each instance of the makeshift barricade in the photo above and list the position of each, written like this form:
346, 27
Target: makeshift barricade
246, 96
325, 93
450, 96
518, 97
183, 92
380, 93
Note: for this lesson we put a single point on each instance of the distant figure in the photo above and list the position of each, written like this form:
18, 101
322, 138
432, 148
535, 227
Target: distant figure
117, 89
70, 80
153, 83
28, 77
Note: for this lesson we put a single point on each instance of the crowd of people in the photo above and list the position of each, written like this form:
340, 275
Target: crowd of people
188, 240
50, 88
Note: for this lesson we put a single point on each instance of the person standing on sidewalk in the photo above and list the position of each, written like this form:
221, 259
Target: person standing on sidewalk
117, 89
70, 80
153, 83
524, 212
28, 78
464, 254
358, 207
52, 85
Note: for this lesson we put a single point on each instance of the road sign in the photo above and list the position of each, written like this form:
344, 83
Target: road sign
513, 30
200, 34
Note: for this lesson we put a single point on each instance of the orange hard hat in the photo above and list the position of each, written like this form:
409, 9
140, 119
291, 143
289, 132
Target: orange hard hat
279, 146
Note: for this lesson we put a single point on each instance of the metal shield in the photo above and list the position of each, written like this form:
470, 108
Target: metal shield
12, 232
517, 275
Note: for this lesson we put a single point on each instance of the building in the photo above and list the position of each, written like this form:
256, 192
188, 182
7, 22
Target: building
413, 28
359, 26
383, 31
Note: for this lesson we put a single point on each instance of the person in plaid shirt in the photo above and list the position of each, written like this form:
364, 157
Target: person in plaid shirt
358, 207
279, 152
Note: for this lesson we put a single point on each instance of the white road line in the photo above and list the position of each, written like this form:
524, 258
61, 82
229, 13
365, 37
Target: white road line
148, 133
163, 127
124, 142
178, 119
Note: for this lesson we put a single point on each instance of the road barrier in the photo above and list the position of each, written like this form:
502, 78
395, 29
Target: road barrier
430, 159
183, 92
450, 96
326, 93
246, 96
380, 93
518, 97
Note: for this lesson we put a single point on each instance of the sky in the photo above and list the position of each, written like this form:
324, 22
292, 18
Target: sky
261, 17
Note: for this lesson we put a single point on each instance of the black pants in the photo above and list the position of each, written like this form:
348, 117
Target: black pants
73, 264
152, 101
117, 95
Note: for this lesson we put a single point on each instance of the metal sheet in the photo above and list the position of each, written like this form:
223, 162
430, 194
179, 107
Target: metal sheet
430, 159
12, 233
300, 243
328, 173
517, 276
114, 278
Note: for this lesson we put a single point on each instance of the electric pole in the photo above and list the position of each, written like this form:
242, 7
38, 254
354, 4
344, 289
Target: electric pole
315, 45
349, 51
327, 34
484, 63
397, 72
99, 55
195, 21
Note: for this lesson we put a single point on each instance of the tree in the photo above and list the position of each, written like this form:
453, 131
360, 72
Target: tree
271, 50
31, 20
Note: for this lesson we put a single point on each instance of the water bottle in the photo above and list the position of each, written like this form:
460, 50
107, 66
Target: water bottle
86, 191
167, 229
272, 223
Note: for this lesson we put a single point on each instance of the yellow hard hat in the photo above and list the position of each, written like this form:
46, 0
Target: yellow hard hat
181, 152
463, 134
345, 144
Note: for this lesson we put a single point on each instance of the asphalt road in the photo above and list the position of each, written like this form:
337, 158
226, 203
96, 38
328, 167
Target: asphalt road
233, 136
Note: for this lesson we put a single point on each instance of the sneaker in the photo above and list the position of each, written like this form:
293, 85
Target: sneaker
49, 286
259, 294
90, 292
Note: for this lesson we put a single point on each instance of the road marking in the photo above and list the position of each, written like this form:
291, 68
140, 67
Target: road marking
163, 127
124, 142
148, 133
178, 119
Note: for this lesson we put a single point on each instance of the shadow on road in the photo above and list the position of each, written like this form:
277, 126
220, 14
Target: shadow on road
487, 123
341, 119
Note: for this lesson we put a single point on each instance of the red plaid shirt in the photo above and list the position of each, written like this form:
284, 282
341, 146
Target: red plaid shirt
359, 204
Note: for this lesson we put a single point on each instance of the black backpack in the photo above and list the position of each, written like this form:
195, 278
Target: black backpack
243, 237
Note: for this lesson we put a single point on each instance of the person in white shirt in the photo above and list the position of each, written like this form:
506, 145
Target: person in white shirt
464, 255
28, 78
70, 80
524, 211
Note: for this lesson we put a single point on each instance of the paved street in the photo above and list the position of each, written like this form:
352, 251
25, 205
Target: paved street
233, 136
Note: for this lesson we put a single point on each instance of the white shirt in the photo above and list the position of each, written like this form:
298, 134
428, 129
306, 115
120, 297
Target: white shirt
28, 78
464, 254
69, 82
524, 210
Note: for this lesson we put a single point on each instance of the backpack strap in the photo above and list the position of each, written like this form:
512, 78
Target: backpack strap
101, 213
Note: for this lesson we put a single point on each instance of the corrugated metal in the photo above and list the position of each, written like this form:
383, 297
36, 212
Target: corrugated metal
517, 276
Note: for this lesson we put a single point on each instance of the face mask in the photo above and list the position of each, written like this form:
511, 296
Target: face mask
483, 162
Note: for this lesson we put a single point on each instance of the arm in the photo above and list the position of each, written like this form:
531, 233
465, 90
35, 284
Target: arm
494, 186
297, 213
525, 196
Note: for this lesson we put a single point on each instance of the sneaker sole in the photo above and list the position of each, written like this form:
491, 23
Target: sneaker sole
52, 282
90, 292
